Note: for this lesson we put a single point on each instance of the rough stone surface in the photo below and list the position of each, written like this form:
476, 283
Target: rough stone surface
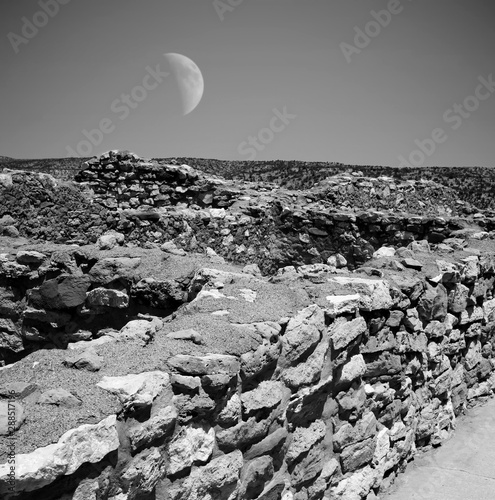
193, 445
85, 444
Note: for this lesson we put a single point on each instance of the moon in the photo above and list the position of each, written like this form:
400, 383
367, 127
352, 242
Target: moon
189, 79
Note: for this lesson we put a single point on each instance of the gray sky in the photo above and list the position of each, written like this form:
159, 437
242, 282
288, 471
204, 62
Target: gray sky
256, 57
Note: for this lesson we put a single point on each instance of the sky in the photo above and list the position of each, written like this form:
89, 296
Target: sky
398, 82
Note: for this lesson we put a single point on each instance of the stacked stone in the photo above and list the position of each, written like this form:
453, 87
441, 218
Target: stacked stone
151, 203
71, 304
121, 179
367, 193
332, 402
39, 206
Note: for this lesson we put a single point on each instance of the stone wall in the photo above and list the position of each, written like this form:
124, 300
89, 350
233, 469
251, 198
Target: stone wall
151, 203
66, 294
259, 222
332, 403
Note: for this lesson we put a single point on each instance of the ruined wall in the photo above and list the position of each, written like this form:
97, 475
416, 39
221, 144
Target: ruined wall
333, 402
244, 222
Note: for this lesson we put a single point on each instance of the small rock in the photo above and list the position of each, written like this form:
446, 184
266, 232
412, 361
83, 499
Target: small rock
19, 389
171, 248
343, 332
183, 382
136, 390
7, 220
87, 360
10, 231
193, 445
109, 241
252, 269
231, 412
30, 257
353, 369
139, 329
412, 264
104, 297
266, 396
153, 429
384, 252
304, 439
205, 365
188, 334
59, 397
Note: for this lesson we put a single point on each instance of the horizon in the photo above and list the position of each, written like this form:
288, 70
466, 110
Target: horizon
336, 163
397, 82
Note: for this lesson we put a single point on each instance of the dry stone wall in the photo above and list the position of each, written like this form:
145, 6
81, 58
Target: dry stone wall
70, 294
332, 403
258, 222
151, 203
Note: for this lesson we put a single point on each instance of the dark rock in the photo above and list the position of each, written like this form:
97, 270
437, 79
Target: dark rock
64, 292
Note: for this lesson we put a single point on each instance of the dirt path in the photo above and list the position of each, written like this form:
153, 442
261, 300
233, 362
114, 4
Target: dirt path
463, 468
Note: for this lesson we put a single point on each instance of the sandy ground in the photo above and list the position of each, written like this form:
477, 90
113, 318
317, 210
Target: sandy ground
463, 468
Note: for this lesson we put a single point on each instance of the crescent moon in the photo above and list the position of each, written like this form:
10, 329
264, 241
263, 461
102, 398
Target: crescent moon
189, 79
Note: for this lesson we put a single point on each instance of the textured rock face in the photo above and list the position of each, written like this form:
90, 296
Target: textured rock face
194, 445
64, 292
136, 390
121, 195
315, 383
327, 403
86, 444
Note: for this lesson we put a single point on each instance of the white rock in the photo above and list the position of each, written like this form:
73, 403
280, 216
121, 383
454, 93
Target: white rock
136, 390
85, 444
384, 252
139, 329
192, 445
357, 486
87, 344
218, 213
110, 240
248, 295
353, 369
342, 304
375, 294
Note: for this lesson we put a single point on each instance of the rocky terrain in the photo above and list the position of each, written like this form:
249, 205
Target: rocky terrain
474, 186
169, 334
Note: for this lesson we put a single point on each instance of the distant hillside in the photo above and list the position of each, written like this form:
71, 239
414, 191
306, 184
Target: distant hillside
62, 168
475, 185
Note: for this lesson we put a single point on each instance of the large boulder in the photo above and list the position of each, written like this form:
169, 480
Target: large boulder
85, 444
64, 292
111, 269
